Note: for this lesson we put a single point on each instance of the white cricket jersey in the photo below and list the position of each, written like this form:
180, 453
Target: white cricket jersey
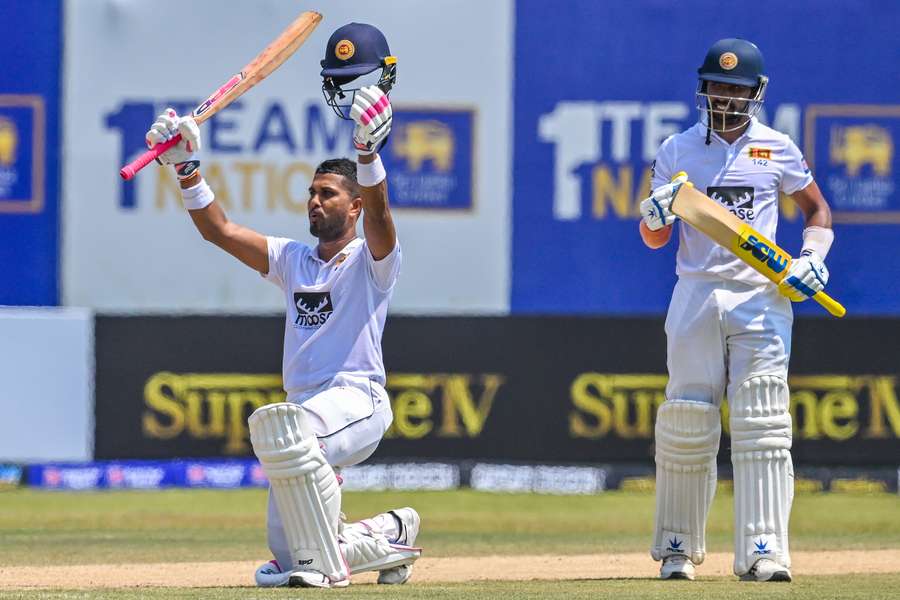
745, 177
335, 311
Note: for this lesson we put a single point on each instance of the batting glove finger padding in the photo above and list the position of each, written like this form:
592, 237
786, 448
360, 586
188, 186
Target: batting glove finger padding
373, 115
657, 209
806, 276
167, 126
190, 133
159, 133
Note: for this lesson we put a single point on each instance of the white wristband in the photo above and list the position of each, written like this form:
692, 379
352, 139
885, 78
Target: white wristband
818, 239
197, 196
371, 174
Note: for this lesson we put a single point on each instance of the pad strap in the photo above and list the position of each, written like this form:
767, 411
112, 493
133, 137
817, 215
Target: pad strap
368, 550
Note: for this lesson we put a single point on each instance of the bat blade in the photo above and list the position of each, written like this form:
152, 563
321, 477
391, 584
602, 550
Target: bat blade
711, 218
256, 70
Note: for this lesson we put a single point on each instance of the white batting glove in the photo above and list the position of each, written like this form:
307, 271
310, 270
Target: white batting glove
806, 276
167, 126
657, 209
373, 115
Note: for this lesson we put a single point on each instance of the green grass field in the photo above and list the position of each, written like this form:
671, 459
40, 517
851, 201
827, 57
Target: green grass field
58, 528
872, 587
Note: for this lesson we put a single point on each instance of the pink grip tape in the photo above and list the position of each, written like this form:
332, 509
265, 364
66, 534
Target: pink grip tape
131, 169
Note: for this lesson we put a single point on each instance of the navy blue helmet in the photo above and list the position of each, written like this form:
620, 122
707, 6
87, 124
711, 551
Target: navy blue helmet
736, 62
354, 50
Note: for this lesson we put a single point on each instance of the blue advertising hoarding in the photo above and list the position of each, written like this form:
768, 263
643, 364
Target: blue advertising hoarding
30, 43
430, 158
851, 146
147, 474
599, 85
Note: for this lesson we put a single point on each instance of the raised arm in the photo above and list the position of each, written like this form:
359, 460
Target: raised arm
241, 242
381, 236
373, 115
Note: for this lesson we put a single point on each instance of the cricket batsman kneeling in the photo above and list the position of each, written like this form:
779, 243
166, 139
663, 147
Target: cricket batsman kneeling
337, 297
728, 328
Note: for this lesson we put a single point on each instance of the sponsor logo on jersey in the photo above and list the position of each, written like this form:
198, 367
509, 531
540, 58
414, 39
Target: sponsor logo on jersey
737, 199
760, 152
313, 309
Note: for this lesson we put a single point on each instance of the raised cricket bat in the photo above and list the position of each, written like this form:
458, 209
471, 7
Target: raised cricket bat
713, 219
258, 69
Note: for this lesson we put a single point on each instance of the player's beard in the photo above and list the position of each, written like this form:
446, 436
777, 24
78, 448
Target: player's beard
327, 229
724, 119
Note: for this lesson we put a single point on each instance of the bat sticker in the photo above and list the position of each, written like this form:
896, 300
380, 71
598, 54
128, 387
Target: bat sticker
219, 93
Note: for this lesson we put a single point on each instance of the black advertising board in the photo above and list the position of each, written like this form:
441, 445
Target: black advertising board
182, 386
538, 389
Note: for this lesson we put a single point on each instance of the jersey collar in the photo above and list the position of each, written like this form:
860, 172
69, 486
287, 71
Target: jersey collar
340, 256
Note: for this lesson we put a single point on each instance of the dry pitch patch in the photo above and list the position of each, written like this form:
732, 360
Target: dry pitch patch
432, 570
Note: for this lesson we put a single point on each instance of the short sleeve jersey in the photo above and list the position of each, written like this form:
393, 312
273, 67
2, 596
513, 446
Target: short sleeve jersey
745, 177
336, 311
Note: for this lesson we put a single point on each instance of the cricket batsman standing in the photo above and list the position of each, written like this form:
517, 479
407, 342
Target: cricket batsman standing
728, 328
337, 295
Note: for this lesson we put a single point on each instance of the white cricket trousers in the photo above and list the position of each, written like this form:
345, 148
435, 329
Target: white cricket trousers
349, 416
720, 333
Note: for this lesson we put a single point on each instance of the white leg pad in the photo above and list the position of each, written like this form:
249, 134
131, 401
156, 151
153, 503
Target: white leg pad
367, 549
763, 471
304, 486
687, 441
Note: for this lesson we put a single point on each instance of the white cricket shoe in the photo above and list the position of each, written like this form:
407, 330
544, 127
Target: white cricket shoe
271, 575
766, 569
409, 529
677, 566
314, 579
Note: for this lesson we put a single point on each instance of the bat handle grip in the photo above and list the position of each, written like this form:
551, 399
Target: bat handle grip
830, 304
131, 169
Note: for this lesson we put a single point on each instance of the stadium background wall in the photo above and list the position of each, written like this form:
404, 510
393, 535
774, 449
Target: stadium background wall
542, 174
557, 390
